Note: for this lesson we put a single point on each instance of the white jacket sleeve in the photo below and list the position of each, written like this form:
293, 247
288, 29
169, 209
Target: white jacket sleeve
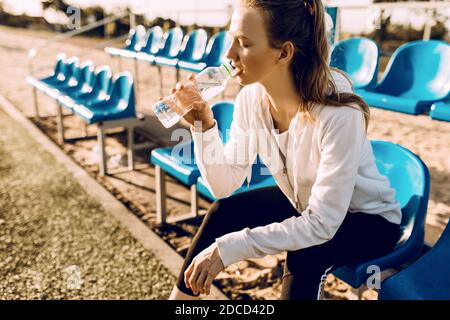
342, 141
225, 167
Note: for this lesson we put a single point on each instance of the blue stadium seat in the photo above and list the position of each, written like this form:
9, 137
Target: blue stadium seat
118, 110
151, 44
70, 77
98, 93
333, 13
410, 178
82, 83
42, 84
214, 55
440, 111
417, 75
136, 36
179, 162
192, 49
57, 76
425, 279
169, 47
120, 105
261, 178
359, 59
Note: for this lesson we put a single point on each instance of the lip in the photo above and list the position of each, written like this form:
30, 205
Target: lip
238, 71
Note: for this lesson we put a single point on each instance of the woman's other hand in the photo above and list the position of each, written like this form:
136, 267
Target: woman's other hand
203, 270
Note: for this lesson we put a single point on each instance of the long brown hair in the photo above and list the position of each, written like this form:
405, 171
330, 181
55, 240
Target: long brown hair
303, 23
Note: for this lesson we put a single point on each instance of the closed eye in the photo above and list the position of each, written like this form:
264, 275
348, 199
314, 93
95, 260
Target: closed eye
244, 44
241, 40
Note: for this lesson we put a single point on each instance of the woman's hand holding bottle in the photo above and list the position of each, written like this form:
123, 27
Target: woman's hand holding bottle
189, 101
188, 96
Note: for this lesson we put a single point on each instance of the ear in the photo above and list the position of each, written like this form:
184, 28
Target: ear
286, 52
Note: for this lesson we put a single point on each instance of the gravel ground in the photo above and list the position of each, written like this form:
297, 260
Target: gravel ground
58, 243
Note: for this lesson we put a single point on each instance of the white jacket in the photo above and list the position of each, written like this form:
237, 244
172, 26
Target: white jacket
330, 164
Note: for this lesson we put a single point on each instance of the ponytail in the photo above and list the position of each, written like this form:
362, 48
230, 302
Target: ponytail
303, 23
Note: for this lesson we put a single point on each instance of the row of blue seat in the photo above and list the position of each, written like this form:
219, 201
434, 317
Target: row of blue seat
192, 52
416, 80
93, 95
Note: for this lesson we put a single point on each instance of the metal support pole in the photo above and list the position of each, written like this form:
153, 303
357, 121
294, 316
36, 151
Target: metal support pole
120, 63
60, 123
337, 27
84, 128
36, 103
101, 150
161, 89
130, 147
427, 28
161, 213
136, 80
194, 200
178, 75
132, 21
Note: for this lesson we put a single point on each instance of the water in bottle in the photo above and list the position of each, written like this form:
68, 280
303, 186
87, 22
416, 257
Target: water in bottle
208, 83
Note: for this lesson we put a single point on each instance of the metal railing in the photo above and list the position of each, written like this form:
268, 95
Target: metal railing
32, 54
430, 8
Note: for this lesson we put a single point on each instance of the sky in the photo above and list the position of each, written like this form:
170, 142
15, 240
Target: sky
352, 21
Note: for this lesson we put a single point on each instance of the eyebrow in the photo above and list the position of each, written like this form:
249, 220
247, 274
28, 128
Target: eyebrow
238, 36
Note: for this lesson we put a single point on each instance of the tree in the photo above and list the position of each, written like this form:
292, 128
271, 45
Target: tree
59, 5
389, 31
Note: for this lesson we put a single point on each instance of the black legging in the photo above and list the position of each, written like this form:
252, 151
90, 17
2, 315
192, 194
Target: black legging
361, 237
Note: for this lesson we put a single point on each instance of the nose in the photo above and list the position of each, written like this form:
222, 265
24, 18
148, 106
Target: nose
231, 54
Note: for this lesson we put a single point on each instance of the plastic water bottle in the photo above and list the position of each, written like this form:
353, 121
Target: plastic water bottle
208, 83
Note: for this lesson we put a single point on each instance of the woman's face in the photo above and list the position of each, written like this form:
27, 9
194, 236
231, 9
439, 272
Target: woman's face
250, 52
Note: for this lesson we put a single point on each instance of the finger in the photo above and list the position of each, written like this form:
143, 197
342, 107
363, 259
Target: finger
179, 86
160, 98
200, 283
173, 90
191, 76
208, 283
193, 279
198, 106
187, 274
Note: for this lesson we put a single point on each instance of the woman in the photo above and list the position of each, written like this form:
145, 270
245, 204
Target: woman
331, 206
